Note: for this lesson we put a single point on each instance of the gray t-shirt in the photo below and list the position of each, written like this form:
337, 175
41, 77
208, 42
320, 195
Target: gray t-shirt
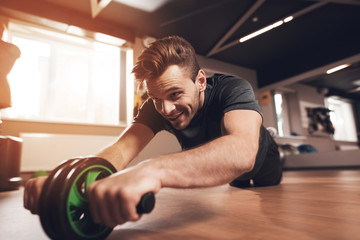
223, 93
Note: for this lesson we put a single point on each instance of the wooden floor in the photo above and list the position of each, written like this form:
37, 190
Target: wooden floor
321, 204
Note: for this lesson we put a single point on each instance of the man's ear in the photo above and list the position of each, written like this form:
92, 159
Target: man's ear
201, 80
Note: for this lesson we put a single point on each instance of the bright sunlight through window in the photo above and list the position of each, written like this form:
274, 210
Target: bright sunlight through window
63, 78
279, 113
342, 117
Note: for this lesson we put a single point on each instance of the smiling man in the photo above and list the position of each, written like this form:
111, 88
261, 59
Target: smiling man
216, 120
176, 97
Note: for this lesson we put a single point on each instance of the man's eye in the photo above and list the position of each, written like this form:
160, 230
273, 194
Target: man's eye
175, 94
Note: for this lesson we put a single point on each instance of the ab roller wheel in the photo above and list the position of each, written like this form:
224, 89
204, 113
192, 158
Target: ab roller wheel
63, 204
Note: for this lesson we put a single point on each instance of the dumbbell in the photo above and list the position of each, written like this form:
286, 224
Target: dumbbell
63, 205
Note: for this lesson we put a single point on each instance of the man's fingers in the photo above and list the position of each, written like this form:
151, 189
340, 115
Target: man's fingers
110, 206
29, 195
26, 195
110, 211
128, 207
92, 203
32, 193
101, 207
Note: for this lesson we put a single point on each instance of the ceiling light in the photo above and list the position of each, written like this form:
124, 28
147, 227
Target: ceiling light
337, 68
288, 19
261, 31
145, 5
356, 82
104, 38
354, 90
76, 31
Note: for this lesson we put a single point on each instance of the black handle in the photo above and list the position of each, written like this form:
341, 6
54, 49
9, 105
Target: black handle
146, 204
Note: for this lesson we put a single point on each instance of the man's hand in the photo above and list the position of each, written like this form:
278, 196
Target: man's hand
113, 200
32, 193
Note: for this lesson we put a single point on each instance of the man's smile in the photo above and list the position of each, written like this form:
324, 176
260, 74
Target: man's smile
174, 117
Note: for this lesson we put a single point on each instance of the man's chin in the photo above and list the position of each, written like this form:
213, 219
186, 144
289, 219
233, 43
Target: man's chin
179, 126
179, 123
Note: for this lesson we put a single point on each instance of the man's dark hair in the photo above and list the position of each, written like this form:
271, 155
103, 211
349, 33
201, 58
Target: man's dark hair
172, 50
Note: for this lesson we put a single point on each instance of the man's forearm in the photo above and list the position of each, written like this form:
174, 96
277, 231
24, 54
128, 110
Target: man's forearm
129, 144
114, 155
217, 162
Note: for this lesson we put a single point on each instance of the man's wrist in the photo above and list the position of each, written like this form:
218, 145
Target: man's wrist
151, 169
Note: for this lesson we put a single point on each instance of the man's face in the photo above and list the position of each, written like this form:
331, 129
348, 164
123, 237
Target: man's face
176, 97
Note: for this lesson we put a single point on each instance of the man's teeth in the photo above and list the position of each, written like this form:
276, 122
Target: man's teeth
174, 118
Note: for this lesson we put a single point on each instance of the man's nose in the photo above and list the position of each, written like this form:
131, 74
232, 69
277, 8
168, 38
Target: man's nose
167, 107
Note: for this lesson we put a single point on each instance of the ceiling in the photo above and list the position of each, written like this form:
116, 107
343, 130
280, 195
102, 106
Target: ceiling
322, 33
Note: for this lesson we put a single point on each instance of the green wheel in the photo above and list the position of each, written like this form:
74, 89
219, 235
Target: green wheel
63, 205
46, 205
79, 224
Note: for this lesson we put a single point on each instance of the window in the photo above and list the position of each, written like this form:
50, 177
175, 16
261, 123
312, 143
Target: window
65, 78
279, 113
342, 118
282, 114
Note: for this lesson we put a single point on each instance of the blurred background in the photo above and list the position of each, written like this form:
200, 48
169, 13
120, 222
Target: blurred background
66, 88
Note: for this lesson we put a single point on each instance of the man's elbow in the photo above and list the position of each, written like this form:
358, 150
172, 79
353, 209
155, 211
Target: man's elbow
244, 155
249, 165
248, 162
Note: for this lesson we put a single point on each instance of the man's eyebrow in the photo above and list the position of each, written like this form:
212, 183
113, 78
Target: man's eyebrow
172, 89
165, 92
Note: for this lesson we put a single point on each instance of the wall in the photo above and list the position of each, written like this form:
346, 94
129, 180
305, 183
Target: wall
331, 159
330, 153
302, 97
294, 114
46, 151
268, 110
214, 66
46, 144
298, 96
15, 127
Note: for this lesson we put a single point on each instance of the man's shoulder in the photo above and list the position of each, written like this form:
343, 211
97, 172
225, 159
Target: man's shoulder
219, 79
230, 93
228, 83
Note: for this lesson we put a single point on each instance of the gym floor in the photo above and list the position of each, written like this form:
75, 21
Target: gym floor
308, 204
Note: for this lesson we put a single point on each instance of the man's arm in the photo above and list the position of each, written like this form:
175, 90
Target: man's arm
130, 143
217, 162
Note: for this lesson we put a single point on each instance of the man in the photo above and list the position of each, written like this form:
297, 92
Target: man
216, 120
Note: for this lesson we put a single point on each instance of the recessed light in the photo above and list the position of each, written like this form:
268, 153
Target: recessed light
261, 31
288, 19
356, 82
338, 68
145, 5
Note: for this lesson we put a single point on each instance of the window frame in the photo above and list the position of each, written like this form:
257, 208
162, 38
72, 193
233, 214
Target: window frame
126, 92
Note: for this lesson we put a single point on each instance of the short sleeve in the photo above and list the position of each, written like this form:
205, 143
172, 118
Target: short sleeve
148, 116
237, 94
